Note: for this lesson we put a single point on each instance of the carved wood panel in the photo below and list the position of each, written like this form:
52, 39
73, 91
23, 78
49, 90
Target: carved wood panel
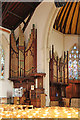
58, 75
23, 58
31, 53
13, 57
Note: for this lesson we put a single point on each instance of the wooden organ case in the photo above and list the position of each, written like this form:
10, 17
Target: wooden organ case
23, 68
58, 76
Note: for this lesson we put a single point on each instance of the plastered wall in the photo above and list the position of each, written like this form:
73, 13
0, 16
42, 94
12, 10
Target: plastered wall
69, 41
6, 86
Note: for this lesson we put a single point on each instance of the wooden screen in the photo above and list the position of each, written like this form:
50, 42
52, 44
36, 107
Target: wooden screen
63, 69
58, 75
23, 59
58, 68
13, 57
31, 53
21, 48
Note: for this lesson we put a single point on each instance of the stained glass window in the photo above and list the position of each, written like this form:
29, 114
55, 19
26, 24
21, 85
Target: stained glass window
74, 63
2, 62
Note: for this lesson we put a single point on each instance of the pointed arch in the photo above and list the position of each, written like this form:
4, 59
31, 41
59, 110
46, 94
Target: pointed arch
74, 62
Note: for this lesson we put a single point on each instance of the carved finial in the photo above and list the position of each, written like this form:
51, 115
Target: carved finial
20, 26
52, 51
29, 35
31, 30
33, 25
12, 31
50, 54
64, 55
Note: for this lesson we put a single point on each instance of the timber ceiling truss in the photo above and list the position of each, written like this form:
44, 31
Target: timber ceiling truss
14, 13
68, 18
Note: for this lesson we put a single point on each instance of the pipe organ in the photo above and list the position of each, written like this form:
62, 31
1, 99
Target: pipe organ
58, 76
23, 68
23, 58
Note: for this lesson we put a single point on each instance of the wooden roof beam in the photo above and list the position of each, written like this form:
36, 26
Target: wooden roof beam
30, 5
77, 21
5, 10
67, 16
72, 19
11, 7
17, 16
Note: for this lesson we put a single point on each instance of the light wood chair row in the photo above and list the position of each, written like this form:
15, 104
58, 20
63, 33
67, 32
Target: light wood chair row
5, 107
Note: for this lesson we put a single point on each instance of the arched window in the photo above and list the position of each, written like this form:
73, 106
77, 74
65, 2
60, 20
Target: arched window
2, 62
74, 63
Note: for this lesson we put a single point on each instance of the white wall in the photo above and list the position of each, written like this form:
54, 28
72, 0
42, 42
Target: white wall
56, 38
5, 85
62, 42
69, 41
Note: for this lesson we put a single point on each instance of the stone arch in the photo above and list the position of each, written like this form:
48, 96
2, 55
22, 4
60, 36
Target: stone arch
48, 28
4, 42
